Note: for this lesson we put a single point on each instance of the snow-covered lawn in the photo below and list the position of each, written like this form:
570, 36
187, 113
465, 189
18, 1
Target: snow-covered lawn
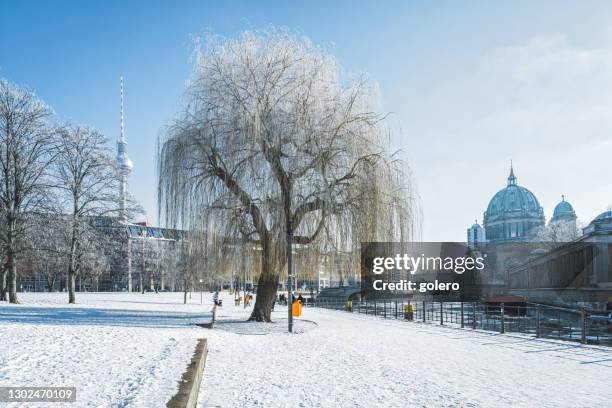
128, 350
118, 350
348, 360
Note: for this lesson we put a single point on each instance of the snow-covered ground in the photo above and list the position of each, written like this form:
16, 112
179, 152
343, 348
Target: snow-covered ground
349, 360
128, 350
118, 350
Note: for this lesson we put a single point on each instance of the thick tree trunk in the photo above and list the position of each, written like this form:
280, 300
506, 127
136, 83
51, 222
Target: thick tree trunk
71, 283
266, 292
72, 263
11, 277
185, 291
11, 262
129, 265
3, 283
267, 286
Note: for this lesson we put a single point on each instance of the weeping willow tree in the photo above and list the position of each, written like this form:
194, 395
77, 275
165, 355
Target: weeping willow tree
275, 142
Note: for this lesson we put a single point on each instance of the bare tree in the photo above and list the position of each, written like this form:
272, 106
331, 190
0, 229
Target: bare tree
278, 148
47, 246
2, 274
94, 264
169, 259
162, 263
85, 174
141, 255
26, 151
558, 233
3, 252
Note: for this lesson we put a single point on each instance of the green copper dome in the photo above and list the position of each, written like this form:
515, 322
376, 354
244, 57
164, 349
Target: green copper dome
513, 213
563, 211
511, 199
604, 216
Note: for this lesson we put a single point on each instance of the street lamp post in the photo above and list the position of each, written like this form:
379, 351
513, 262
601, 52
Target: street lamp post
289, 276
244, 279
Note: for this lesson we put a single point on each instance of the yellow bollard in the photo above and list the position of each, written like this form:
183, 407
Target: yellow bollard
408, 312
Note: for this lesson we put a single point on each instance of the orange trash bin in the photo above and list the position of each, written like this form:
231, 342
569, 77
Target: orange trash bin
296, 308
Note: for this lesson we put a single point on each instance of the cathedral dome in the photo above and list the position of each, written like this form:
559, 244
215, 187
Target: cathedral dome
512, 199
600, 224
512, 213
563, 211
604, 216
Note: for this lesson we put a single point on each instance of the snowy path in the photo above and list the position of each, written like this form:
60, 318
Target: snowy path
348, 360
119, 350
128, 350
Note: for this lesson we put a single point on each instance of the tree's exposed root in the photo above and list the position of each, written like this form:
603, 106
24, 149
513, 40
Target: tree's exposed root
257, 317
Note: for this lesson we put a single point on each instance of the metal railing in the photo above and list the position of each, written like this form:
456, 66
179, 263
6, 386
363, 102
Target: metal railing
542, 321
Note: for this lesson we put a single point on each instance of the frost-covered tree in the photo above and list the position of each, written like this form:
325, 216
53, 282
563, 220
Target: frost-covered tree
275, 147
559, 232
27, 148
85, 175
144, 262
47, 246
2, 274
94, 264
166, 265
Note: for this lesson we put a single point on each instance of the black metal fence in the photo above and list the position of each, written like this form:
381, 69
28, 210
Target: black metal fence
542, 321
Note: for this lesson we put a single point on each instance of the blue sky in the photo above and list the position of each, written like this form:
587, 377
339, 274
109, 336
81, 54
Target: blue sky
470, 85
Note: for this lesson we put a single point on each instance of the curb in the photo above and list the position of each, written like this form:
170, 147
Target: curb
189, 385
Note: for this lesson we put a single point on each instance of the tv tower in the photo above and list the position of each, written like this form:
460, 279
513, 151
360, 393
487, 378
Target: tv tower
124, 167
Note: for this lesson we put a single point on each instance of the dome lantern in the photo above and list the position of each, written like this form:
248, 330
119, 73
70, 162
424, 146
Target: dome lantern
511, 177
